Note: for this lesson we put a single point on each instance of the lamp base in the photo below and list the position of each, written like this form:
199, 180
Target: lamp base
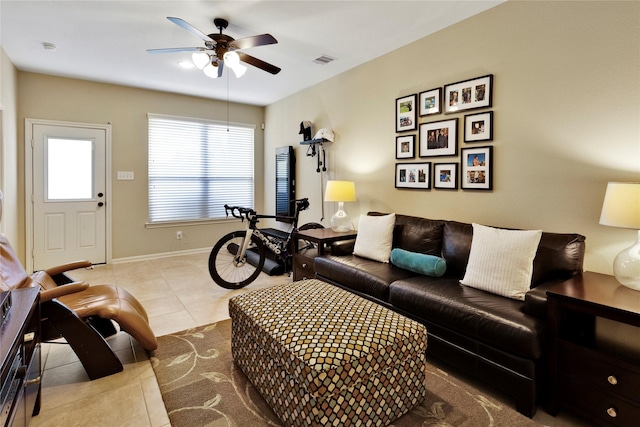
341, 222
626, 266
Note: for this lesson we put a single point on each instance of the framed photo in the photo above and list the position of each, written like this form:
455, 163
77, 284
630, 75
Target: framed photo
405, 147
477, 168
429, 102
445, 176
413, 175
478, 127
468, 94
406, 113
439, 138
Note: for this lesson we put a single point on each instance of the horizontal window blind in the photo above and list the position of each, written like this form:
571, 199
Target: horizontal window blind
196, 166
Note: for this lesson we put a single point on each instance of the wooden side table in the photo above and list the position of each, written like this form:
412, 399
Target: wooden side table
303, 258
590, 374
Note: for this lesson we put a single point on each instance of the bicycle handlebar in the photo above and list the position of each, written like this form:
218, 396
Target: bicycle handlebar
302, 204
242, 213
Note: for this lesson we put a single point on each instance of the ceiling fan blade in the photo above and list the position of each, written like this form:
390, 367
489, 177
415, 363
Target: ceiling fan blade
176, 49
253, 41
251, 60
220, 67
193, 30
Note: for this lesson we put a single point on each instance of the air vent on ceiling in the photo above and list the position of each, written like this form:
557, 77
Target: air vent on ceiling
323, 59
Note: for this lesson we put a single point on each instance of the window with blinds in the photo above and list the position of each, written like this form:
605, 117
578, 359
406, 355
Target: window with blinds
196, 166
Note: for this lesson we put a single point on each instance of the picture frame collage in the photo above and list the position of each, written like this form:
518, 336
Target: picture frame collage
439, 138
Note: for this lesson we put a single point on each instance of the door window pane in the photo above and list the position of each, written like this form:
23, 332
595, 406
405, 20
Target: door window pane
69, 169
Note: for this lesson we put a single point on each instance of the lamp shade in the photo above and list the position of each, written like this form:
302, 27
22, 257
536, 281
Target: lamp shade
340, 191
621, 207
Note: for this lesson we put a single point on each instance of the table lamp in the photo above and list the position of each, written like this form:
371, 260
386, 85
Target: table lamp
340, 191
621, 208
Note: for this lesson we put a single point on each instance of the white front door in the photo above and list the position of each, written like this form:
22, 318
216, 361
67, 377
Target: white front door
69, 194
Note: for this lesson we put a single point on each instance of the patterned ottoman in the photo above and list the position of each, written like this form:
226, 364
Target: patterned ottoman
322, 356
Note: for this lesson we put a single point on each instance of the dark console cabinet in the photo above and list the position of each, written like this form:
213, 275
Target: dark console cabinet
592, 373
20, 352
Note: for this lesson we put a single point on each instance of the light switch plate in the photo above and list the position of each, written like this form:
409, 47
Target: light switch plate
123, 175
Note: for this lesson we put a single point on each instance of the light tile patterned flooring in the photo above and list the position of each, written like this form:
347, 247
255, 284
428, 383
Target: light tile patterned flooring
178, 294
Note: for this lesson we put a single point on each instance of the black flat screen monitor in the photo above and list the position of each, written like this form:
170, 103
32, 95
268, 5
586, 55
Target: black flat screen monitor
285, 181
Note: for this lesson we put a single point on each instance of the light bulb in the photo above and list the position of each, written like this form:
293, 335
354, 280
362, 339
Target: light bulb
211, 71
231, 59
200, 59
239, 70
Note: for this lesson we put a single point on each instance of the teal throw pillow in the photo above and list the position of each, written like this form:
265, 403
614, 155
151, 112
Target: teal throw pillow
428, 265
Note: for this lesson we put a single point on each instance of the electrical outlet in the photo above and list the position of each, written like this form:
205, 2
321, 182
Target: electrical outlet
178, 235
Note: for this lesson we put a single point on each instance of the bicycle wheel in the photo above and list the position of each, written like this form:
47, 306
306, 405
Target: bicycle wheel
230, 272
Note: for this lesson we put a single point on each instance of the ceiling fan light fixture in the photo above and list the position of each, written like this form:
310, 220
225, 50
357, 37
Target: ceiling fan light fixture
239, 70
232, 60
211, 71
219, 50
200, 59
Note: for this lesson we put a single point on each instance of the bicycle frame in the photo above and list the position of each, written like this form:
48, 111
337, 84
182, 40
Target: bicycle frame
280, 246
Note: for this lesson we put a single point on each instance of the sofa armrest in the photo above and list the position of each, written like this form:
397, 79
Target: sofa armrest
535, 300
343, 247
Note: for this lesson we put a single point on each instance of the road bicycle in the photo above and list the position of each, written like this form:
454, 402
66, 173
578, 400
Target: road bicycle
237, 258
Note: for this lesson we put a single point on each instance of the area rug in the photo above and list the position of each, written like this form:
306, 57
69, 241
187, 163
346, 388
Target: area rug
202, 386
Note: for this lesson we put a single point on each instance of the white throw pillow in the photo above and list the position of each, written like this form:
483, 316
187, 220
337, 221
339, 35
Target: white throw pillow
501, 261
375, 237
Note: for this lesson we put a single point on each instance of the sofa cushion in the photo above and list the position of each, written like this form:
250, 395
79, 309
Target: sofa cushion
456, 245
501, 261
480, 315
360, 274
560, 256
375, 237
417, 234
429, 265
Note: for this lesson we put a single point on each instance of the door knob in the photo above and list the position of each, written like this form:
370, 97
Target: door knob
100, 204
100, 194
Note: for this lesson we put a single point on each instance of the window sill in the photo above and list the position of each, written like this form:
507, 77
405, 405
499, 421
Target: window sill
169, 224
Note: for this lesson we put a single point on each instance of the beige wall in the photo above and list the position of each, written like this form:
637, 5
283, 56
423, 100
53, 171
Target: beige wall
53, 98
566, 120
8, 149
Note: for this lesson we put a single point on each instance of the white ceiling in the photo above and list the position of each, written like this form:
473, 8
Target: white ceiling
106, 41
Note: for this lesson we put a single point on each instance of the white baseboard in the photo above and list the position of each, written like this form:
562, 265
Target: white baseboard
159, 255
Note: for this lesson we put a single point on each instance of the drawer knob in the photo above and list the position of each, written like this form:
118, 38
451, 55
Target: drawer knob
612, 380
304, 265
612, 412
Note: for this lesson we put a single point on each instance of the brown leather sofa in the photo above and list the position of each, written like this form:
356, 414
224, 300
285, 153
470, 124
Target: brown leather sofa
499, 340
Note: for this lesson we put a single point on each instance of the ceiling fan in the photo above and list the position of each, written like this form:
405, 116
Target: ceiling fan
220, 49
